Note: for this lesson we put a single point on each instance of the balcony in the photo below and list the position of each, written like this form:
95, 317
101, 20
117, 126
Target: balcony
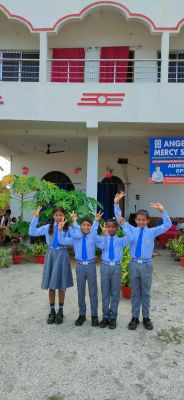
25, 67
103, 71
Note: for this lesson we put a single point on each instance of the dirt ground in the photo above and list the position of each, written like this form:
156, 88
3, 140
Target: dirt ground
49, 362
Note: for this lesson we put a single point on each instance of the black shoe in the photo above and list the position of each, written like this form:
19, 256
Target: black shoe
103, 323
94, 321
79, 321
59, 318
147, 324
133, 324
112, 324
51, 318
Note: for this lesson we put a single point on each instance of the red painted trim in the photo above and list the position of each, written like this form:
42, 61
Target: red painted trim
14, 16
88, 8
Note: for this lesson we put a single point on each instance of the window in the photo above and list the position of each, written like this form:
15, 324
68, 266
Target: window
19, 66
176, 66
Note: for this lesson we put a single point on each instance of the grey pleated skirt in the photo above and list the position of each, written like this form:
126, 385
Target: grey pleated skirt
57, 273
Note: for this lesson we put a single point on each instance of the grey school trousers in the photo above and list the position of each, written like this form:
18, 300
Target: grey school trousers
87, 273
110, 287
140, 281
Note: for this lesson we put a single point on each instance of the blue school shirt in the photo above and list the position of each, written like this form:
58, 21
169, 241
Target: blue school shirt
103, 242
149, 234
76, 241
44, 231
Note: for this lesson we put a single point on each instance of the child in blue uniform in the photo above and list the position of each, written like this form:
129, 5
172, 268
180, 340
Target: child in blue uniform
57, 274
141, 250
84, 248
112, 253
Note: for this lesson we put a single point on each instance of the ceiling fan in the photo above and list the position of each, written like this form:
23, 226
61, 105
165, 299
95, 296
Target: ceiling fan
53, 152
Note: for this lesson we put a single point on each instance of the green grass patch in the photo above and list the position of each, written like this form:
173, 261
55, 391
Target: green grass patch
172, 335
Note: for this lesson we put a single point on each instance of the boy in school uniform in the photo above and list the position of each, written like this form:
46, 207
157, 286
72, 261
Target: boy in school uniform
112, 253
141, 250
84, 248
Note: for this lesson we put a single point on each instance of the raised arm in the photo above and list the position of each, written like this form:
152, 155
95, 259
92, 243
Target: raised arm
33, 230
95, 225
74, 231
102, 240
167, 223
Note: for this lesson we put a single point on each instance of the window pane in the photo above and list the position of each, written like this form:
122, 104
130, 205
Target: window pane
10, 67
30, 69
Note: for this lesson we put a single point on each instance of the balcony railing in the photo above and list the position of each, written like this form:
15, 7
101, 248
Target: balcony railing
19, 70
103, 71
90, 70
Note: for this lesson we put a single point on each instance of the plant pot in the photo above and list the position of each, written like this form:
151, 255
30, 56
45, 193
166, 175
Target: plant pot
182, 261
40, 259
17, 259
126, 292
176, 258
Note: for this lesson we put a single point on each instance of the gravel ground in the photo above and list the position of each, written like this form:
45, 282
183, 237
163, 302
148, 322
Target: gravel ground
43, 362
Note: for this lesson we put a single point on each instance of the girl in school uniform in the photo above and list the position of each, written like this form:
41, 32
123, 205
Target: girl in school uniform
57, 273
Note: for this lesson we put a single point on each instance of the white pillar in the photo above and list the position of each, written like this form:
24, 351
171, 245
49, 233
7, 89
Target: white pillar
92, 166
165, 57
43, 56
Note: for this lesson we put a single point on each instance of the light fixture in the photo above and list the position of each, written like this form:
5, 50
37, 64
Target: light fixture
108, 173
25, 170
77, 170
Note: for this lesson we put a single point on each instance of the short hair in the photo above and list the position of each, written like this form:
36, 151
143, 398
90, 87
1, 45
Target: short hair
142, 212
86, 219
112, 220
8, 211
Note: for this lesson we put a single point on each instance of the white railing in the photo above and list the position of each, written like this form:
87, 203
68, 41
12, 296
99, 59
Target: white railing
91, 70
19, 70
103, 71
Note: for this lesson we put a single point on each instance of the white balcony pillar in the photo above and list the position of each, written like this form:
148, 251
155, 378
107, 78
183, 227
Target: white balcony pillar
92, 166
165, 57
43, 56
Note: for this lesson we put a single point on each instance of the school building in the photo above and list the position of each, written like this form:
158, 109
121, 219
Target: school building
84, 85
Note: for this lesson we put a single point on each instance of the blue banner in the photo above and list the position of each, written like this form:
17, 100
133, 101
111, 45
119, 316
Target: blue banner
166, 160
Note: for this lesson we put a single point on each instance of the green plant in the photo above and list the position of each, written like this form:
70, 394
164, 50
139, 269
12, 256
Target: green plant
19, 249
172, 245
40, 248
180, 247
125, 277
5, 257
20, 230
32, 192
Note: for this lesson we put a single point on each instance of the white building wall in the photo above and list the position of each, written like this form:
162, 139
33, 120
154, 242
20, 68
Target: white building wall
15, 36
43, 14
138, 178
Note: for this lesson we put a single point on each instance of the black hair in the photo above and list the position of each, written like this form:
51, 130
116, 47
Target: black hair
142, 212
51, 227
84, 219
8, 211
112, 220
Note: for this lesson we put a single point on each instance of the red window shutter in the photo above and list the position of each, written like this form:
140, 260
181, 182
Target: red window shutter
68, 71
114, 71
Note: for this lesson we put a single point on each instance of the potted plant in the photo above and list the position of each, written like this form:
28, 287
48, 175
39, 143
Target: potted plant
173, 248
40, 250
19, 251
180, 250
5, 257
125, 277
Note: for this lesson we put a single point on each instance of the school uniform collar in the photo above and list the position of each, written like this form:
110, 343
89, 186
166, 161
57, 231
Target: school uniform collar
144, 229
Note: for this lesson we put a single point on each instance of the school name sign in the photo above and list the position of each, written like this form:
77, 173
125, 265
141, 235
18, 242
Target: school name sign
166, 160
